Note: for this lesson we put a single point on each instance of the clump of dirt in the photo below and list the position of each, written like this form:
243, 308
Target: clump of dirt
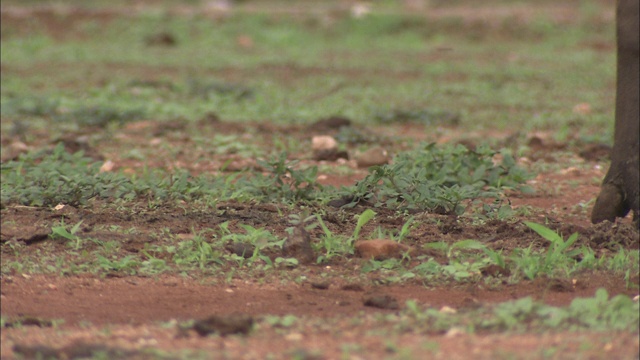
76, 350
224, 325
381, 302
614, 235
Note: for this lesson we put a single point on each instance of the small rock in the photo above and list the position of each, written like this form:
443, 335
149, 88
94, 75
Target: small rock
293, 337
380, 249
298, 245
323, 142
372, 157
326, 148
453, 332
14, 150
19, 147
448, 310
107, 166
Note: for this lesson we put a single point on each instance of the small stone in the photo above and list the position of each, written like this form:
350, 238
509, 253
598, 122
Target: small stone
298, 245
323, 142
448, 310
326, 148
372, 157
453, 332
293, 337
107, 166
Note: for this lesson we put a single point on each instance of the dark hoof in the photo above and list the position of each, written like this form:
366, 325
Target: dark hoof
609, 205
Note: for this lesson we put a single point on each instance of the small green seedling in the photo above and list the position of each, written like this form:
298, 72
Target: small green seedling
62, 232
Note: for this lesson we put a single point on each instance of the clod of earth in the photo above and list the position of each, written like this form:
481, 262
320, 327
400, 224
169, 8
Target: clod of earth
298, 246
326, 148
241, 249
381, 301
76, 350
376, 155
331, 124
28, 321
161, 39
495, 271
352, 287
324, 285
561, 285
224, 325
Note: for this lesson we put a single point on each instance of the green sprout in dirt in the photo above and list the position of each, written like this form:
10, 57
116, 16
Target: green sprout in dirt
62, 232
337, 245
250, 245
195, 252
558, 256
598, 313
284, 181
41, 179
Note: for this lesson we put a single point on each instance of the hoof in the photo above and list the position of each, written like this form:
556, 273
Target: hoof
609, 205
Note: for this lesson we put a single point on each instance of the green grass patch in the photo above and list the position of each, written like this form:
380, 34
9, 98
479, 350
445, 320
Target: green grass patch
598, 313
438, 179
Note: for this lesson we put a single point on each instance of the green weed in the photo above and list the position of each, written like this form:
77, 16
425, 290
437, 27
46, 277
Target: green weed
284, 182
61, 231
196, 252
558, 257
41, 179
438, 179
127, 264
598, 313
